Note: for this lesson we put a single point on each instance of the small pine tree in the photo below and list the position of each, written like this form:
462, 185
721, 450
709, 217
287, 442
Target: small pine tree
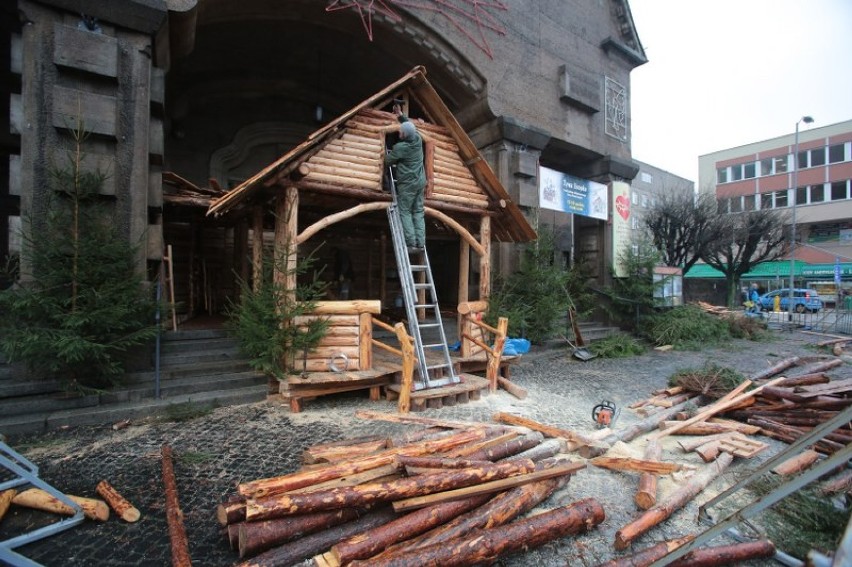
83, 304
536, 298
262, 318
632, 297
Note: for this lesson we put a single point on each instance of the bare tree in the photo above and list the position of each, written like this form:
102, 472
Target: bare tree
751, 237
684, 228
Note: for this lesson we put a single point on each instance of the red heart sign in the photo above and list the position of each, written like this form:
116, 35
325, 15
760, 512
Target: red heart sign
622, 205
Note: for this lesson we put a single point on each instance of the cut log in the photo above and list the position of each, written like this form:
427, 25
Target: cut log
703, 428
308, 546
493, 438
265, 487
840, 482
648, 555
419, 465
691, 444
547, 430
710, 450
232, 532
544, 450
512, 388
6, 500
797, 464
743, 428
231, 512
384, 473
804, 380
545, 470
174, 515
487, 545
371, 493
646, 494
508, 448
716, 408
632, 432
734, 554
39, 499
662, 511
342, 450
775, 368
256, 537
427, 421
636, 465
368, 544
126, 511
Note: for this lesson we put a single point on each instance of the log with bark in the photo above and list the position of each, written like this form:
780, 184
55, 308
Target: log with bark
126, 511
797, 464
648, 555
310, 545
631, 432
293, 503
512, 388
265, 487
775, 368
256, 537
39, 499
677, 500
486, 546
345, 449
547, 430
734, 554
646, 493
174, 515
840, 482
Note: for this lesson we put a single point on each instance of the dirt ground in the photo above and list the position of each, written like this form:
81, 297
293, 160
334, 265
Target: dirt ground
226, 446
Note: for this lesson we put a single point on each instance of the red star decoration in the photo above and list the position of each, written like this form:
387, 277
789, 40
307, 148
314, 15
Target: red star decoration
460, 14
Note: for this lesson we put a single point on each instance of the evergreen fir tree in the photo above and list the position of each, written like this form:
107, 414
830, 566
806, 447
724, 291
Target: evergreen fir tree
81, 305
263, 317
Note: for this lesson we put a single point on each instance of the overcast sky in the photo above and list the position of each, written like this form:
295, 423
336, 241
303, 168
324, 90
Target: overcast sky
723, 73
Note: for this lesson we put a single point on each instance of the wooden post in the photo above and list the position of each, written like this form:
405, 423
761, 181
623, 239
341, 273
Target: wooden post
485, 260
365, 341
383, 272
39, 499
646, 494
257, 247
464, 280
495, 354
404, 404
126, 511
241, 247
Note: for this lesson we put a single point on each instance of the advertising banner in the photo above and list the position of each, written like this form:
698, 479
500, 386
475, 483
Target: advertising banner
562, 192
621, 237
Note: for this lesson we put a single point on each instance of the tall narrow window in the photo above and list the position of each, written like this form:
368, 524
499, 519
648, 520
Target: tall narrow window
839, 191
836, 153
749, 170
802, 196
722, 175
766, 166
781, 164
818, 157
781, 199
616, 110
817, 193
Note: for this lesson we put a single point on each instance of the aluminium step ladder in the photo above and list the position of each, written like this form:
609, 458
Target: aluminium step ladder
433, 375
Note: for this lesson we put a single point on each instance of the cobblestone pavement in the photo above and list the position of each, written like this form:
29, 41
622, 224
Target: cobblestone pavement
226, 446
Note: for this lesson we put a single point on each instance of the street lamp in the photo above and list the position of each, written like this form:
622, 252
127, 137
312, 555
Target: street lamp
806, 120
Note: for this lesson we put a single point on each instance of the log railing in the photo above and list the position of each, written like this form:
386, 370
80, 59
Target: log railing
406, 353
472, 320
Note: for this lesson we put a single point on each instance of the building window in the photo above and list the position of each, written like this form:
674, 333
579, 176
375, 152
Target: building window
634, 222
722, 175
818, 157
802, 196
635, 197
616, 110
644, 200
803, 160
839, 191
736, 172
766, 166
817, 193
647, 177
836, 153
723, 206
748, 202
749, 170
736, 204
780, 198
780, 164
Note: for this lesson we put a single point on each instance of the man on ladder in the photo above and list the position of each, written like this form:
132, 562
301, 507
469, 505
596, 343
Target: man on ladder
407, 156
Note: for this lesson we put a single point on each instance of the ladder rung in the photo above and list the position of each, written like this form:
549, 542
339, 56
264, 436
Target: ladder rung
422, 286
425, 305
428, 325
434, 345
418, 267
437, 366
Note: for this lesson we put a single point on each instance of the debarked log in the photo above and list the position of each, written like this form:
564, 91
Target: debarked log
174, 514
489, 544
662, 511
6, 500
646, 493
39, 499
126, 511
308, 546
364, 494
255, 537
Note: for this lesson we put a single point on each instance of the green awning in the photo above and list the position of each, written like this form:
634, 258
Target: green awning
826, 270
765, 270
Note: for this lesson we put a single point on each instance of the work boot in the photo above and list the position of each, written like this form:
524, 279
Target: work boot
415, 249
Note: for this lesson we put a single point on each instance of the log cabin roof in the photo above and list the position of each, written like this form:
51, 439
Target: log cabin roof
346, 157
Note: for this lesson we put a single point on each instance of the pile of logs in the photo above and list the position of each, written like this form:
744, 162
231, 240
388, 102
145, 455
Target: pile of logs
421, 497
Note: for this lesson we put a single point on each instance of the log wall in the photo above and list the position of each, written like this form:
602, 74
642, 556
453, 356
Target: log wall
346, 345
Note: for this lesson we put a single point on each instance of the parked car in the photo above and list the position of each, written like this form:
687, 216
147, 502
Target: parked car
803, 300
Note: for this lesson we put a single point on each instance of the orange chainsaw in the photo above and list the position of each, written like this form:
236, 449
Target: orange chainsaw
604, 414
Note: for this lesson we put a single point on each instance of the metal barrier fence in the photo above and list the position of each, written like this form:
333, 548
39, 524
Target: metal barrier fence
833, 320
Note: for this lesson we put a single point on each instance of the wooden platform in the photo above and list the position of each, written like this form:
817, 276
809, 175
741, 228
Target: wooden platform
387, 373
470, 388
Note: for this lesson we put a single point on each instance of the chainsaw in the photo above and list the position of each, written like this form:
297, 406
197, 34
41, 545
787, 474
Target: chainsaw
604, 414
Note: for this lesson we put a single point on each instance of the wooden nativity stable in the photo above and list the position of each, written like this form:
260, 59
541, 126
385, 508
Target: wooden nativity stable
326, 198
